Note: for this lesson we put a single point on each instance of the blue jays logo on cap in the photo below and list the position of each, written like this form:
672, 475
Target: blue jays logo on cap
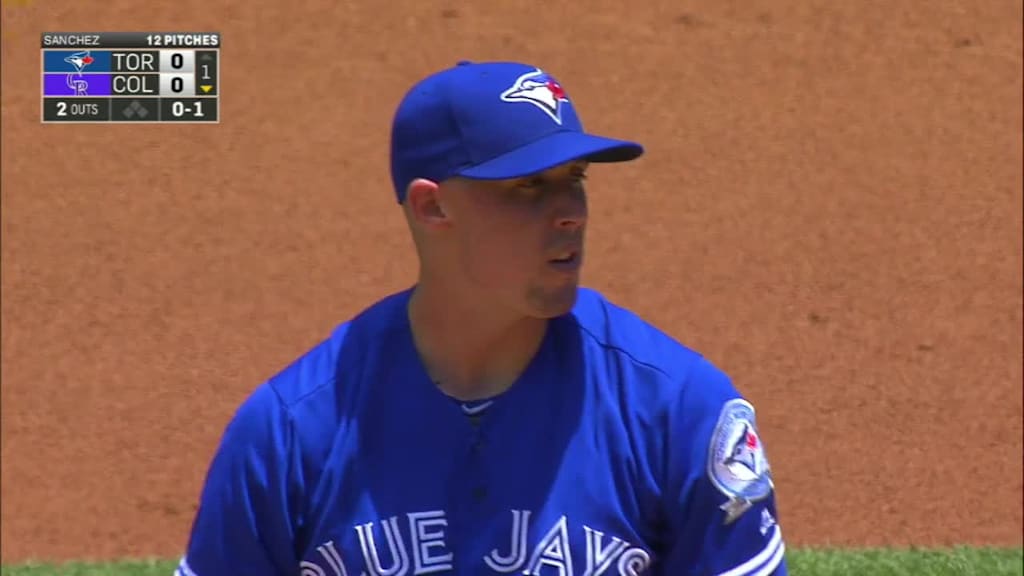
541, 90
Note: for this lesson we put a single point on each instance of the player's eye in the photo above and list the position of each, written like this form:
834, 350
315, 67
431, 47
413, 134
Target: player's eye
529, 190
535, 189
534, 183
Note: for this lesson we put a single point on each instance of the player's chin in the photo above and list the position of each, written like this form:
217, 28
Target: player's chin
553, 301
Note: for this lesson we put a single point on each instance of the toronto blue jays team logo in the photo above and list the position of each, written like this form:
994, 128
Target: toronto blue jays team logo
737, 464
541, 90
75, 81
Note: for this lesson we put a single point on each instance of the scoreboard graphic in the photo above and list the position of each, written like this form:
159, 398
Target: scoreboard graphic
130, 77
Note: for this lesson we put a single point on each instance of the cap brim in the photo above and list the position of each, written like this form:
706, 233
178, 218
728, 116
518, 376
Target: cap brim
552, 151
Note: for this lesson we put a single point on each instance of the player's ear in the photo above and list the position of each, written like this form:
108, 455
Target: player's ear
425, 203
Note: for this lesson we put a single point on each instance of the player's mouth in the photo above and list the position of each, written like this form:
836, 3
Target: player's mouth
567, 261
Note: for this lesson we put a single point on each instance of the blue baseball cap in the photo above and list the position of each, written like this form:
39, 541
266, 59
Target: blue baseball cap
491, 121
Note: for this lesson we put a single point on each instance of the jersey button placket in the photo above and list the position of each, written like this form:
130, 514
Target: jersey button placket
479, 494
476, 448
477, 468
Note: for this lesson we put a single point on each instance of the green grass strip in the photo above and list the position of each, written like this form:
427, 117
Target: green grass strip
951, 562
959, 561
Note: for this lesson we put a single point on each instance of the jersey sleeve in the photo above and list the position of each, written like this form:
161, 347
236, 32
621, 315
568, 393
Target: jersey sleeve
243, 524
724, 519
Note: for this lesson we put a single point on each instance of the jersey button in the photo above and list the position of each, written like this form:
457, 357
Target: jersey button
479, 493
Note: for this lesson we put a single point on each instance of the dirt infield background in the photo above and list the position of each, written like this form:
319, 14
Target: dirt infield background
830, 208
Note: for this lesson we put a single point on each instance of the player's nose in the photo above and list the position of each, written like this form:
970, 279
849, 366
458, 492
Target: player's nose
571, 209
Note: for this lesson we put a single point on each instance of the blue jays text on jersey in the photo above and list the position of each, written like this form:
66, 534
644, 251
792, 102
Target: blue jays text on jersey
618, 452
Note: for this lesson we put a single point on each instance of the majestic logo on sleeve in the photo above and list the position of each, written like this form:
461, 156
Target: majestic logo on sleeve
737, 464
541, 90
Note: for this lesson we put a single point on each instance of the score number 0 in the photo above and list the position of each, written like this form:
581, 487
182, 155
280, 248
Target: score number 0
177, 85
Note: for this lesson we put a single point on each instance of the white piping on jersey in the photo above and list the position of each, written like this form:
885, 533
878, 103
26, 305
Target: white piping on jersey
774, 562
757, 566
184, 569
474, 410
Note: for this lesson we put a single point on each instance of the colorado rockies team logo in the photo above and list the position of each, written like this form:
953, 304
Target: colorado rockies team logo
737, 464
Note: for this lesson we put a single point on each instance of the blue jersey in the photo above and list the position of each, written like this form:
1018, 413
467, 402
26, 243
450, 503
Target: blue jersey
617, 452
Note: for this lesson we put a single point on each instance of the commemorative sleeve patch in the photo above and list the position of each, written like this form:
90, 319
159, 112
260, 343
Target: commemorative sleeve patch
737, 464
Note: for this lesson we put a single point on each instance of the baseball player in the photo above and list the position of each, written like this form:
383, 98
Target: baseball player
496, 417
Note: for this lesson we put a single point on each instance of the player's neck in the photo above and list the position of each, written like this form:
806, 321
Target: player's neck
470, 349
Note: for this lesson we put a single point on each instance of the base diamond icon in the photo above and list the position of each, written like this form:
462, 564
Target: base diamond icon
135, 107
